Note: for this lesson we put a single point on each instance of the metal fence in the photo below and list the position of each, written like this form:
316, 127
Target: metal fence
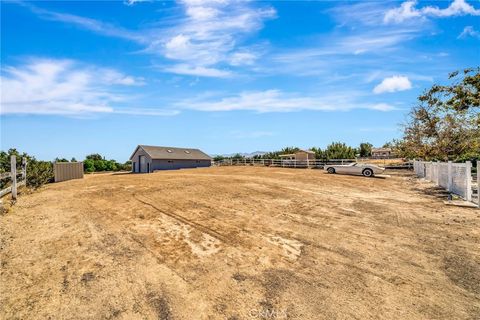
456, 178
67, 171
13, 176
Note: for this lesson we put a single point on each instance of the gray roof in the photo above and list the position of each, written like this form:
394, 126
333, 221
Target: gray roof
173, 153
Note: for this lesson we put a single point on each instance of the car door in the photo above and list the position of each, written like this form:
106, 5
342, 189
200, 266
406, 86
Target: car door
341, 169
352, 169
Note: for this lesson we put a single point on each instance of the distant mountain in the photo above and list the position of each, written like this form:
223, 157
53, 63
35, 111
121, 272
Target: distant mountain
246, 155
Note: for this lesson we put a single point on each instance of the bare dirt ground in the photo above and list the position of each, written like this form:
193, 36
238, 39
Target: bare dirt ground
239, 243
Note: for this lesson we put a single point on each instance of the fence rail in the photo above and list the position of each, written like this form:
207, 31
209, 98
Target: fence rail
13, 175
310, 163
454, 177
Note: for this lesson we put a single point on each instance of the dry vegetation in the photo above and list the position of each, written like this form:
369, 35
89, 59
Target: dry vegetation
239, 243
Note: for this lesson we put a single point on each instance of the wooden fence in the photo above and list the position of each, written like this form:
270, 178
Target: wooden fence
13, 176
67, 171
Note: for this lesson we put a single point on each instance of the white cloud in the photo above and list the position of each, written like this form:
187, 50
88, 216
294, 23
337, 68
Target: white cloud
64, 87
199, 71
278, 101
100, 27
408, 11
469, 31
242, 58
209, 32
393, 84
133, 2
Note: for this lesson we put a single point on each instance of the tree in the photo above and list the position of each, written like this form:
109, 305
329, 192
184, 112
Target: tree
110, 165
445, 123
238, 156
73, 160
94, 156
319, 153
89, 165
57, 159
38, 172
365, 149
218, 158
339, 150
99, 165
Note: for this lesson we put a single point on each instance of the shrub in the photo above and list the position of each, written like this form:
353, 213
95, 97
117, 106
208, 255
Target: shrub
99, 165
39, 173
88, 165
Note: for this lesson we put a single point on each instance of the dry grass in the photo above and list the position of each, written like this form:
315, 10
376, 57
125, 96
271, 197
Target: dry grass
384, 162
239, 243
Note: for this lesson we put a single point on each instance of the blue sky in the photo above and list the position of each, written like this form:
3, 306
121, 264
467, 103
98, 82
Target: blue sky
223, 76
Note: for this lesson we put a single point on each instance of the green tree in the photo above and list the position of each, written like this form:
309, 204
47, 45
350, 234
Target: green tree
99, 165
110, 165
445, 123
365, 149
237, 156
339, 150
218, 158
319, 153
89, 165
38, 172
94, 156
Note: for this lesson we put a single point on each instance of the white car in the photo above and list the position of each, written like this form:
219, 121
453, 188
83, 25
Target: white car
368, 170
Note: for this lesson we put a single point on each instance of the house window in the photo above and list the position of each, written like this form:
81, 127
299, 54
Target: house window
187, 151
169, 150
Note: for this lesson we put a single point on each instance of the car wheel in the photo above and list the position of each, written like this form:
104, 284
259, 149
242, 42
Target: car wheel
331, 170
368, 173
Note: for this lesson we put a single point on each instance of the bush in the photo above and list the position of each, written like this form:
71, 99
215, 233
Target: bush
99, 165
88, 165
39, 173
110, 165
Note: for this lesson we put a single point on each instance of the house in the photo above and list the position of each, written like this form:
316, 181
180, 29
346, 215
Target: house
151, 158
300, 155
382, 152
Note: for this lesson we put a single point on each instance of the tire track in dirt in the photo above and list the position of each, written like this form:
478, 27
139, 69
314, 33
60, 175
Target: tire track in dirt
186, 221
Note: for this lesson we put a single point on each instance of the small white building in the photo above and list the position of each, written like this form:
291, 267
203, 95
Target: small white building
301, 155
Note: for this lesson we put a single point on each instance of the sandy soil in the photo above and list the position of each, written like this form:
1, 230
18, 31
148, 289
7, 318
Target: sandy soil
239, 243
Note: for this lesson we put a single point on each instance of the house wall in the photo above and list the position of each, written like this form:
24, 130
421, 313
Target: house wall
136, 161
302, 156
159, 164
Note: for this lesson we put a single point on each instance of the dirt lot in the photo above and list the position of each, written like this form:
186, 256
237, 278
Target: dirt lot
239, 243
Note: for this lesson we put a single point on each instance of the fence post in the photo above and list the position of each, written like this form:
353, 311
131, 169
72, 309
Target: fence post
13, 172
468, 176
478, 183
449, 176
438, 173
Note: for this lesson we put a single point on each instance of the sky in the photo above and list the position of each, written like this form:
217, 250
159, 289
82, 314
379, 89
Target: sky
223, 76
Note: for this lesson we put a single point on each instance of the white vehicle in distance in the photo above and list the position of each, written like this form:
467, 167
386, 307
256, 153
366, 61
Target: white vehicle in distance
365, 169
